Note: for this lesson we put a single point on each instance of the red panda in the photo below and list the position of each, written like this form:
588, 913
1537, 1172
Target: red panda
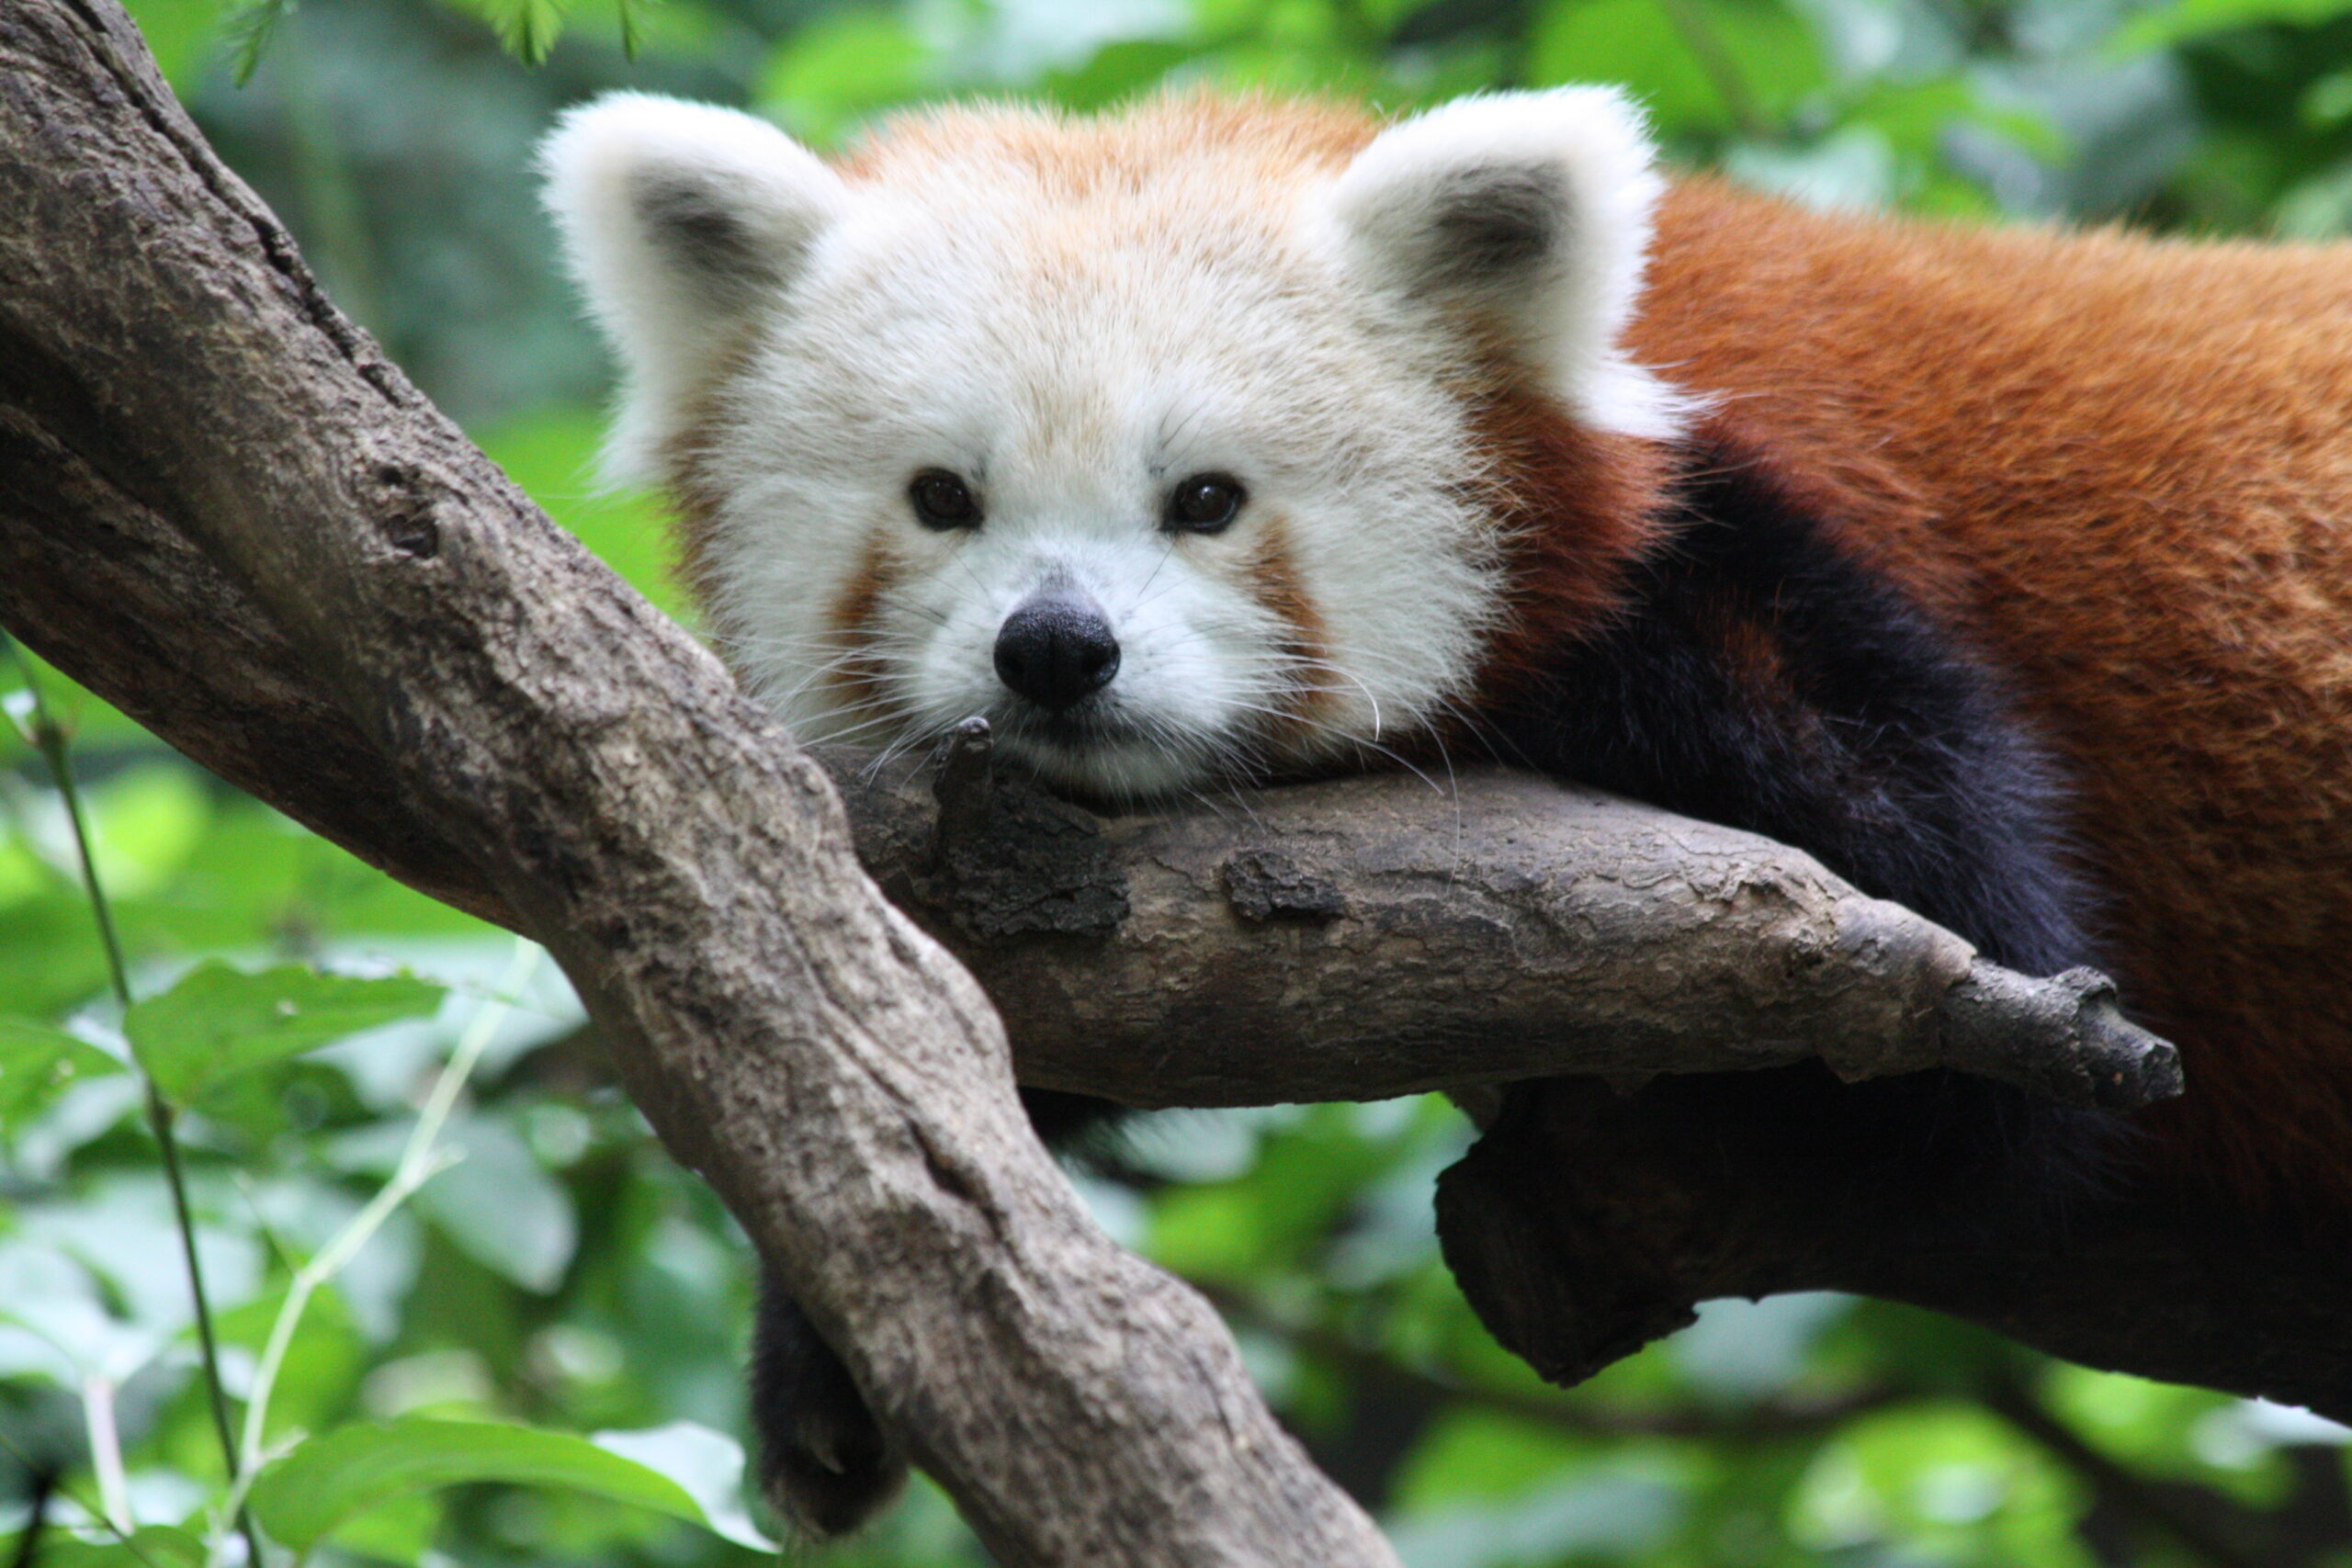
2007, 572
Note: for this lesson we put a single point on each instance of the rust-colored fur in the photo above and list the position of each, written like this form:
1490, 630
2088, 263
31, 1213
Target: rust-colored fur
2122, 468
1578, 505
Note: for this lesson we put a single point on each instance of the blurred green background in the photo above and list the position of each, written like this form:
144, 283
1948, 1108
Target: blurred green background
563, 1276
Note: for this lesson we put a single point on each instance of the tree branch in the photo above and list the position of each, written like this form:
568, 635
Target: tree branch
1364, 938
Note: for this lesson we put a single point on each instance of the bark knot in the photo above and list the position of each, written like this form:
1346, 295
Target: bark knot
403, 510
1267, 885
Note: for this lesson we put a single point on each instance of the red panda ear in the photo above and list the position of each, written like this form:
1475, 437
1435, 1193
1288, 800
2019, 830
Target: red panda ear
1528, 214
679, 220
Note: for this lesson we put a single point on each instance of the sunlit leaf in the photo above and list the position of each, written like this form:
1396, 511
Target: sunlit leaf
220, 1021
37, 1064
332, 1479
179, 34
842, 67
552, 454
152, 1546
125, 1230
1698, 66
2166, 25
1932, 1475
501, 1207
146, 821
708, 1465
1118, 71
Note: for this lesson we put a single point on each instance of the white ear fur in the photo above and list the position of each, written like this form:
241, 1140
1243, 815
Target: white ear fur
678, 220
1532, 211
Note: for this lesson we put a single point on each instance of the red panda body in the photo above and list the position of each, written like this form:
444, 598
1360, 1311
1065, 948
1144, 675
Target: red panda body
2008, 573
2122, 469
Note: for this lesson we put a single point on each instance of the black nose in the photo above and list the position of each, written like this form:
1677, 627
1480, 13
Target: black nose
1056, 650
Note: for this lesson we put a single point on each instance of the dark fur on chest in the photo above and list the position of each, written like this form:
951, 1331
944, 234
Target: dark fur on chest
1760, 677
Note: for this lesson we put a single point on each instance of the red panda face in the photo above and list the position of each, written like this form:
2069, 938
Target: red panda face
1150, 443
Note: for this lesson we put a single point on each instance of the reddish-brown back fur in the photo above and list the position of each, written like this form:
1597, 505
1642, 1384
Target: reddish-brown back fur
2122, 468
1578, 506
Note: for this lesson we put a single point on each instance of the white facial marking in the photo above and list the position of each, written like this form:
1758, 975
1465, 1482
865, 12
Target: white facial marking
1073, 353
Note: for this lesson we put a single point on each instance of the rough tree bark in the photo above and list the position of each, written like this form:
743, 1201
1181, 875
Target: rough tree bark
221, 509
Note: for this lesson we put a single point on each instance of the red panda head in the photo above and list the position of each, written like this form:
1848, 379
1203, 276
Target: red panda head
1192, 442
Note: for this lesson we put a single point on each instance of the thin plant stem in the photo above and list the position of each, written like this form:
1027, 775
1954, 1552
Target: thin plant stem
106, 1452
420, 1159
59, 1488
49, 739
42, 1484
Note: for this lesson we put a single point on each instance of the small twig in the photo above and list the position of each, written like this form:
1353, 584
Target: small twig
964, 764
106, 1451
41, 1481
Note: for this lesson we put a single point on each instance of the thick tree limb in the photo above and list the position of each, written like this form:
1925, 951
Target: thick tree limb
220, 509
1374, 937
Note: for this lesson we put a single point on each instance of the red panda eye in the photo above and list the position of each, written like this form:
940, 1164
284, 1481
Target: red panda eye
1203, 503
940, 500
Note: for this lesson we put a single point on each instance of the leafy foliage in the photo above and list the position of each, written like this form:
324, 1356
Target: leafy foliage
219, 1023
531, 1354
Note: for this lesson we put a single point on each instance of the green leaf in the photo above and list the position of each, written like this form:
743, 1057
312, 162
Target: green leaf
1119, 71
179, 34
840, 68
552, 454
527, 28
219, 1021
37, 1064
399, 1531
1597, 1515
1935, 1477
252, 25
2168, 25
1698, 66
629, 15
501, 1208
707, 1464
145, 822
333, 1479
1469, 1455
158, 1546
